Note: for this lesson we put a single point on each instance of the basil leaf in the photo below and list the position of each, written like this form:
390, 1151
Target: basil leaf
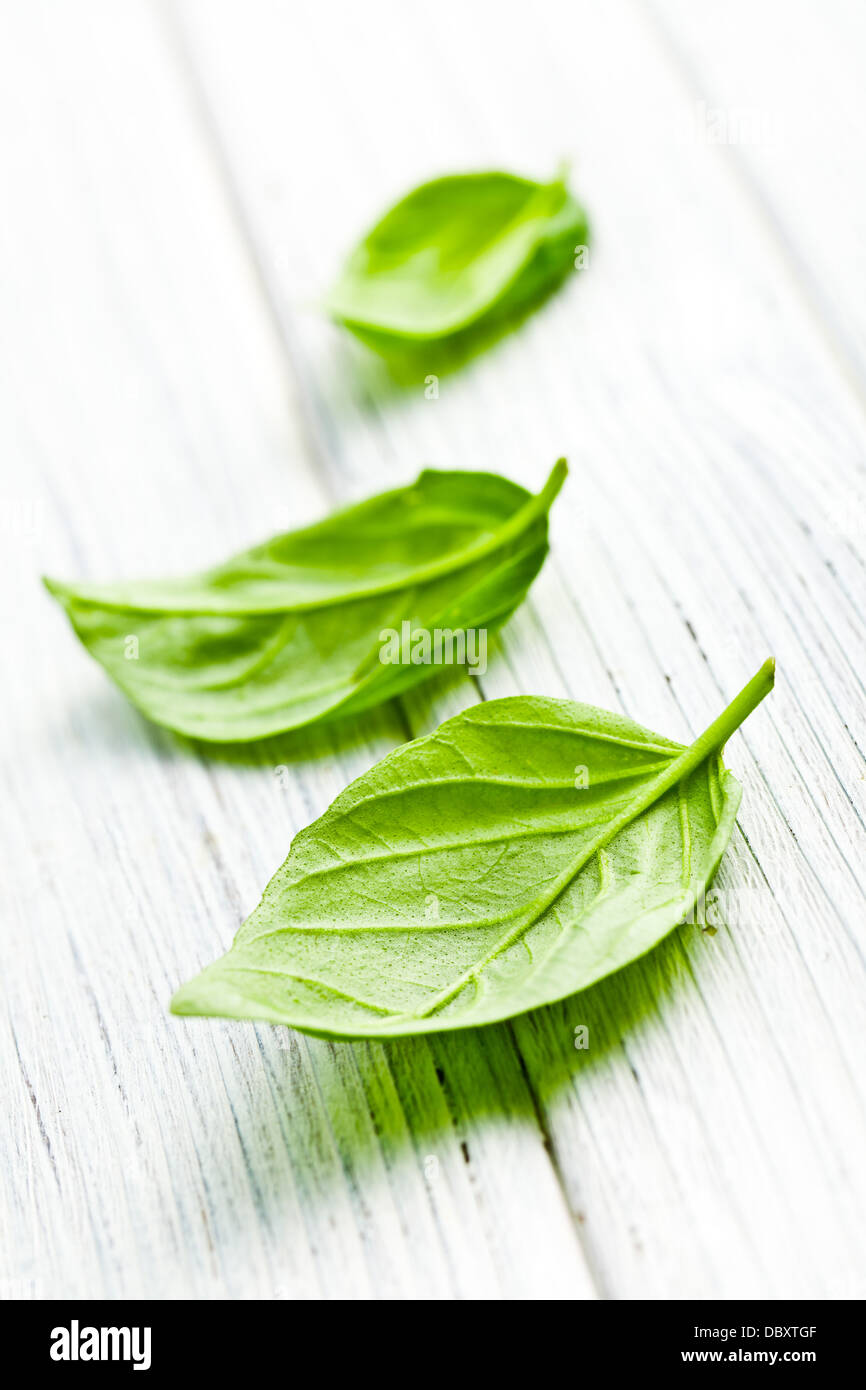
519, 853
455, 252
291, 631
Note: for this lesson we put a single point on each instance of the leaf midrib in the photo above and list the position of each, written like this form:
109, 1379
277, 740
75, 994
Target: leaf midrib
421, 851
710, 741
536, 506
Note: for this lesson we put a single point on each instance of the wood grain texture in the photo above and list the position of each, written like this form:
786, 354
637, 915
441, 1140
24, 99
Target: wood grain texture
151, 422
783, 104
184, 190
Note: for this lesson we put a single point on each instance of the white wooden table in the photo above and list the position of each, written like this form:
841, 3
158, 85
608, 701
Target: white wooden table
179, 183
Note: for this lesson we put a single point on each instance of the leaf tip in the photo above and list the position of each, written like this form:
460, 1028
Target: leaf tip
763, 680
180, 1003
558, 475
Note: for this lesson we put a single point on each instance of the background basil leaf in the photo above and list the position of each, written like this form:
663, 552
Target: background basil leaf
517, 854
455, 252
290, 632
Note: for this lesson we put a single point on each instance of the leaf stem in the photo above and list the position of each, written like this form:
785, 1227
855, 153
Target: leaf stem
716, 735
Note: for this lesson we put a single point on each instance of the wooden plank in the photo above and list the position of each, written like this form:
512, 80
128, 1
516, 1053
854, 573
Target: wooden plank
705, 1139
149, 424
778, 91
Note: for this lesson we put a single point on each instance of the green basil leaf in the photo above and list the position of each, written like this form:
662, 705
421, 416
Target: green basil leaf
292, 631
519, 853
454, 252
